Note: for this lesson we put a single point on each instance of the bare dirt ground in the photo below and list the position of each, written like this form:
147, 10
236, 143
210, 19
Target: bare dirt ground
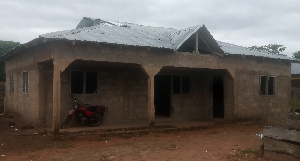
223, 141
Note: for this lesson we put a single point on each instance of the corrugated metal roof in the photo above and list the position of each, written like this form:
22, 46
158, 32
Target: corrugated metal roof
295, 68
126, 34
239, 50
99, 30
88, 22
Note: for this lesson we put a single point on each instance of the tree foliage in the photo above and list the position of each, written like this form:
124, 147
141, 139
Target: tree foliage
271, 48
5, 46
296, 55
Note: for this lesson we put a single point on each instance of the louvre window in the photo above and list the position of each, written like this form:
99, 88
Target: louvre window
84, 82
25, 82
267, 85
11, 83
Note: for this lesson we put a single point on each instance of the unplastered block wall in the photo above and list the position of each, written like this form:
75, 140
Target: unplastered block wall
25, 106
228, 83
197, 103
124, 92
46, 94
17, 103
249, 103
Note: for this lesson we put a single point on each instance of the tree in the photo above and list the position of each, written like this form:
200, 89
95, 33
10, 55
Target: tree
296, 55
271, 48
5, 46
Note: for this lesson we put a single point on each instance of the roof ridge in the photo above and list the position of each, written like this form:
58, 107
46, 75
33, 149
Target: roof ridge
131, 23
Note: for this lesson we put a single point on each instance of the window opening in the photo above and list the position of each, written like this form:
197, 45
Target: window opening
271, 86
181, 84
267, 85
185, 84
263, 84
84, 82
176, 84
91, 82
25, 82
77, 82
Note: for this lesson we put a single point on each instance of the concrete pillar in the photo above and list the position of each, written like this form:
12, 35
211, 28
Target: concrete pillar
56, 100
59, 67
151, 71
38, 97
228, 97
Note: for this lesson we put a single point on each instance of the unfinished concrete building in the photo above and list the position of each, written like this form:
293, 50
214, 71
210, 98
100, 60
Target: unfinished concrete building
143, 74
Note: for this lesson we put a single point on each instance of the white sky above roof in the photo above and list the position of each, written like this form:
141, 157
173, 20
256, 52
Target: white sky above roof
243, 22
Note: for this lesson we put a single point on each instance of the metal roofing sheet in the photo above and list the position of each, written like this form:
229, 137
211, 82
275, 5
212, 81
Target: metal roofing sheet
239, 50
295, 68
127, 34
180, 36
99, 30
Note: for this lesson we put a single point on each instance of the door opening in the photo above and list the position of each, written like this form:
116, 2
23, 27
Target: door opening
218, 97
162, 95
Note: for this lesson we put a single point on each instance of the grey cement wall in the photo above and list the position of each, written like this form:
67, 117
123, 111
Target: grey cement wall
249, 103
45, 93
125, 90
197, 103
26, 106
23, 105
2, 95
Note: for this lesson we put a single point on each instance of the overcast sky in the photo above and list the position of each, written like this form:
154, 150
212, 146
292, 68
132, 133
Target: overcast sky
240, 22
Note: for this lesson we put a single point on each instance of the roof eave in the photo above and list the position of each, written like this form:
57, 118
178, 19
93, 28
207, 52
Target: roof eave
262, 57
23, 47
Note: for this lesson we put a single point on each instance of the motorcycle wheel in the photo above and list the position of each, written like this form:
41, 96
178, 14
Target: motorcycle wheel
96, 119
65, 121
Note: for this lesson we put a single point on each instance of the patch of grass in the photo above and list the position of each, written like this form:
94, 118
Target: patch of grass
297, 104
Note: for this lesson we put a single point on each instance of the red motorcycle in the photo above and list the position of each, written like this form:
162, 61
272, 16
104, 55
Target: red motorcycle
92, 115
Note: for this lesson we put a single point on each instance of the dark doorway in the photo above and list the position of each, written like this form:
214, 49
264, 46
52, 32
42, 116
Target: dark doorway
218, 97
162, 95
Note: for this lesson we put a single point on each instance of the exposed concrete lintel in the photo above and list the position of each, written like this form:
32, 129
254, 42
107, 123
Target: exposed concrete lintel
152, 70
62, 64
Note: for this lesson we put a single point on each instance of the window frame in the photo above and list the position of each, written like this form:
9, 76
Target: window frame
11, 83
265, 88
25, 82
84, 82
183, 84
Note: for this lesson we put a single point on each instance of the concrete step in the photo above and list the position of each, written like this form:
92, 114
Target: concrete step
136, 130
